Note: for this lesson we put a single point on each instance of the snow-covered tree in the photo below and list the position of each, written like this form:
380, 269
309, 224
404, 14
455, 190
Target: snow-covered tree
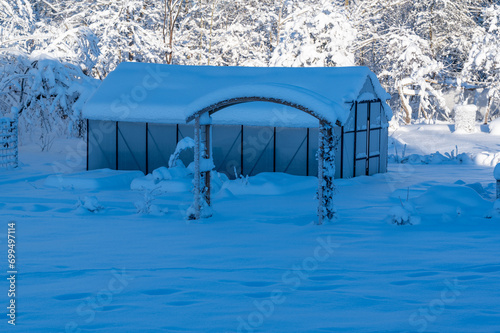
50, 95
126, 32
410, 72
223, 32
420, 45
315, 36
483, 65
17, 25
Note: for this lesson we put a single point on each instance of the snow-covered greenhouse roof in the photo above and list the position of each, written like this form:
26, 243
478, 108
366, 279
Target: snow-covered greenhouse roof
171, 94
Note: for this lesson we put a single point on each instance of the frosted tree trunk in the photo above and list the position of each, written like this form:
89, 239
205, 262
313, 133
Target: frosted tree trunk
326, 173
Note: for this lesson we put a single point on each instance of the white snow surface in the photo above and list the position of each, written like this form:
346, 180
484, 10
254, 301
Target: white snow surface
102, 179
122, 260
495, 127
172, 94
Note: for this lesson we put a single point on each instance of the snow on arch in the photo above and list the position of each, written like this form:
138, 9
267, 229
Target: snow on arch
171, 94
305, 100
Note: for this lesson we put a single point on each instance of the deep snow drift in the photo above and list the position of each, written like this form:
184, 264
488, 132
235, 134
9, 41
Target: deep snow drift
106, 258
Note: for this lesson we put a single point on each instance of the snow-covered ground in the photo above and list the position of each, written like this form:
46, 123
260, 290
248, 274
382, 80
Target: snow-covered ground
89, 262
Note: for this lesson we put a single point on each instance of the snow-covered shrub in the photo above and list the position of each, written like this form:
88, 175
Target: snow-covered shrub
162, 173
147, 207
89, 204
403, 214
184, 144
465, 118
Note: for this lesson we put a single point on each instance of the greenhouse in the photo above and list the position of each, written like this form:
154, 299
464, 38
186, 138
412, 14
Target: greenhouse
245, 119
133, 126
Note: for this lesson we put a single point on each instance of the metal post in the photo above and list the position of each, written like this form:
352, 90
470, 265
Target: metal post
206, 135
197, 175
368, 134
88, 141
355, 138
496, 174
116, 146
321, 142
147, 148
307, 152
498, 189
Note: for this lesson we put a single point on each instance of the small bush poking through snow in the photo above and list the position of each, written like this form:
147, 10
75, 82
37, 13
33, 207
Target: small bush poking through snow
403, 214
90, 204
146, 206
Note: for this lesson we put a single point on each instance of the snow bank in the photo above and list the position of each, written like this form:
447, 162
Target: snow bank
496, 172
487, 159
101, 179
173, 180
484, 158
164, 186
496, 207
451, 201
495, 127
435, 158
269, 183
88, 204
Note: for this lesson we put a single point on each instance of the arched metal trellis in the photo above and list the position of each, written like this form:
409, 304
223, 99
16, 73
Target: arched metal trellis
203, 156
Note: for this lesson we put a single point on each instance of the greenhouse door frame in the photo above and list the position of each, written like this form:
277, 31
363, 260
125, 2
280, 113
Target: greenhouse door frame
368, 131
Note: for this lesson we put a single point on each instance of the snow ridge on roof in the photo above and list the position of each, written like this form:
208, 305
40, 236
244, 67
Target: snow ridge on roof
155, 93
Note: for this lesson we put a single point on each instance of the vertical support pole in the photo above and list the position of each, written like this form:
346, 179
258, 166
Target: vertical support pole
326, 172
342, 152
241, 156
116, 145
274, 149
197, 174
355, 138
321, 152
368, 137
498, 189
496, 174
147, 148
206, 143
88, 142
307, 152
